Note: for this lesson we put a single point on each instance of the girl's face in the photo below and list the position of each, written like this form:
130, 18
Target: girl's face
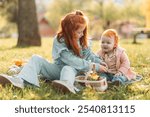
79, 32
107, 44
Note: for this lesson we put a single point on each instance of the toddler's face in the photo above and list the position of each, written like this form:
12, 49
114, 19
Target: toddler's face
79, 32
107, 44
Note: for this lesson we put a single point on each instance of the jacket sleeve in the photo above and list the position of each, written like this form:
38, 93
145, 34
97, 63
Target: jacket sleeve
78, 63
125, 63
89, 55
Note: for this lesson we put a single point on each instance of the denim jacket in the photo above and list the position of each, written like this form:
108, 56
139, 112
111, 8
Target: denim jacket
63, 56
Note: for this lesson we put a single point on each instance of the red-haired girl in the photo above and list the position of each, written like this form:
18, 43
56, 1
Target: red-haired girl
119, 71
71, 55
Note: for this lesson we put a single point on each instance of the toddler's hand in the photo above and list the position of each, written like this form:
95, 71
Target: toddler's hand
118, 74
103, 68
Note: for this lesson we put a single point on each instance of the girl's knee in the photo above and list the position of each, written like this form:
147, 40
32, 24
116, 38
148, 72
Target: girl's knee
36, 57
68, 69
38, 60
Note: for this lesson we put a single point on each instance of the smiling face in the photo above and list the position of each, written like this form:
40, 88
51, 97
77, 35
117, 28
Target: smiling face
107, 44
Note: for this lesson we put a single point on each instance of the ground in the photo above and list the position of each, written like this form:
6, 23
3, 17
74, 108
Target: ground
139, 56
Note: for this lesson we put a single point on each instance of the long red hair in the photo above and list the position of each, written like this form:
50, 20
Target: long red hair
111, 33
69, 24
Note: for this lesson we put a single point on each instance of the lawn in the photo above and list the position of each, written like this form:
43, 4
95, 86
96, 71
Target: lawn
139, 56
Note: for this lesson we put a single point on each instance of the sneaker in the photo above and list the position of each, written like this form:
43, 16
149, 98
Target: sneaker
13, 70
17, 82
63, 86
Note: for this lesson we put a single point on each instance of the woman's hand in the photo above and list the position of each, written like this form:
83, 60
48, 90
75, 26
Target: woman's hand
103, 68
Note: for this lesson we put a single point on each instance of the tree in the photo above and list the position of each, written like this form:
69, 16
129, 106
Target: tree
8, 17
8, 9
27, 24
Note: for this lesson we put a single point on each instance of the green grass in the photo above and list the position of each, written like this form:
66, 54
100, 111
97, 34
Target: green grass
139, 56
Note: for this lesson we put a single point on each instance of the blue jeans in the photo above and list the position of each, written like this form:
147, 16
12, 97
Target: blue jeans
111, 77
38, 65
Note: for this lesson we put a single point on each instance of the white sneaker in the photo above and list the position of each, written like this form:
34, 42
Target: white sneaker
13, 70
63, 86
17, 82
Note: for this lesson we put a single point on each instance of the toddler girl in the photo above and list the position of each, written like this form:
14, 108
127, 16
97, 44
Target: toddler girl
119, 71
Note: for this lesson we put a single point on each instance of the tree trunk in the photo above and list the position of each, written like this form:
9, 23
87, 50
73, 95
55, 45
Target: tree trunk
27, 24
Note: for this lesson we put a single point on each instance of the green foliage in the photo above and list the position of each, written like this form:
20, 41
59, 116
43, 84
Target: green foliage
8, 9
107, 11
139, 56
58, 8
99, 12
8, 16
132, 12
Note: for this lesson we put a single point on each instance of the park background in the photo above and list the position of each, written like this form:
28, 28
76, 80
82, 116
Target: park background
27, 27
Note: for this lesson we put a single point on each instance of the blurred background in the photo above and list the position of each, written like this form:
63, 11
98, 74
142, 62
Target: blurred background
28, 20
27, 27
